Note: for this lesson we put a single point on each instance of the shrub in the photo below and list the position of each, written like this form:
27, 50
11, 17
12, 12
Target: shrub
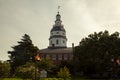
4, 69
64, 73
26, 71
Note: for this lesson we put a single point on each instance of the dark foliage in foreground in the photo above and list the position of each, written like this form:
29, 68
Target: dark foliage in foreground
23, 52
98, 55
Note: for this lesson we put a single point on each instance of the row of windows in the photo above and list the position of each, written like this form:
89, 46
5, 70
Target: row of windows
57, 42
60, 57
58, 33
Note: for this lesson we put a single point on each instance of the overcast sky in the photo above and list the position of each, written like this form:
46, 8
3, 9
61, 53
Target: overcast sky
36, 18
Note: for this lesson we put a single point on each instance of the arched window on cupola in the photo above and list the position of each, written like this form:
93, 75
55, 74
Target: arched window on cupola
63, 41
50, 42
57, 32
57, 41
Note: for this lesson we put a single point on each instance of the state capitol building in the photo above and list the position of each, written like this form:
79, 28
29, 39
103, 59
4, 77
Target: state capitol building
57, 49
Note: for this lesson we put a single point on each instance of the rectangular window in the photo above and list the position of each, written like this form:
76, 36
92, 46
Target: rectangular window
60, 57
42, 56
71, 56
54, 57
65, 56
47, 56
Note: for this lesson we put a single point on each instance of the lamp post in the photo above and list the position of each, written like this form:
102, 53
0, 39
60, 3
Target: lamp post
35, 69
37, 58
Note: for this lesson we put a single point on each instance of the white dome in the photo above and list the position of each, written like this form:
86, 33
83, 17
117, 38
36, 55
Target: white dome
58, 35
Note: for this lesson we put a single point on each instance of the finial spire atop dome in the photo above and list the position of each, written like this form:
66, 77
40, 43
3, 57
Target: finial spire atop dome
58, 8
58, 19
58, 12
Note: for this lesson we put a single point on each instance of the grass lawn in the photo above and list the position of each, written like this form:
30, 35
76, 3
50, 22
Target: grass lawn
10, 79
30, 79
40, 79
13, 79
53, 79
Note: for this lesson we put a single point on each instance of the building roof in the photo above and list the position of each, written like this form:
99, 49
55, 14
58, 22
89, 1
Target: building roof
60, 50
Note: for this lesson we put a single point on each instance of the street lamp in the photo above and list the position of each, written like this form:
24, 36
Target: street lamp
37, 58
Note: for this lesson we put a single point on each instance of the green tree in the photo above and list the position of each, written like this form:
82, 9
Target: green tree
64, 73
68, 65
22, 53
45, 64
97, 54
26, 71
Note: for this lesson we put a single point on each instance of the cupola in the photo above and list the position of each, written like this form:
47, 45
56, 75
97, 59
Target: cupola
58, 34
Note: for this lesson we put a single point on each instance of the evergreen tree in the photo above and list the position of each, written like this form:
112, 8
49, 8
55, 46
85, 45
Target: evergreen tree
22, 53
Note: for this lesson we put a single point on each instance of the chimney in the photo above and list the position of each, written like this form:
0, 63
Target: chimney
53, 45
72, 47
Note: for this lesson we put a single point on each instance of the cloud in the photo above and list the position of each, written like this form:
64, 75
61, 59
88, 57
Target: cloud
104, 11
